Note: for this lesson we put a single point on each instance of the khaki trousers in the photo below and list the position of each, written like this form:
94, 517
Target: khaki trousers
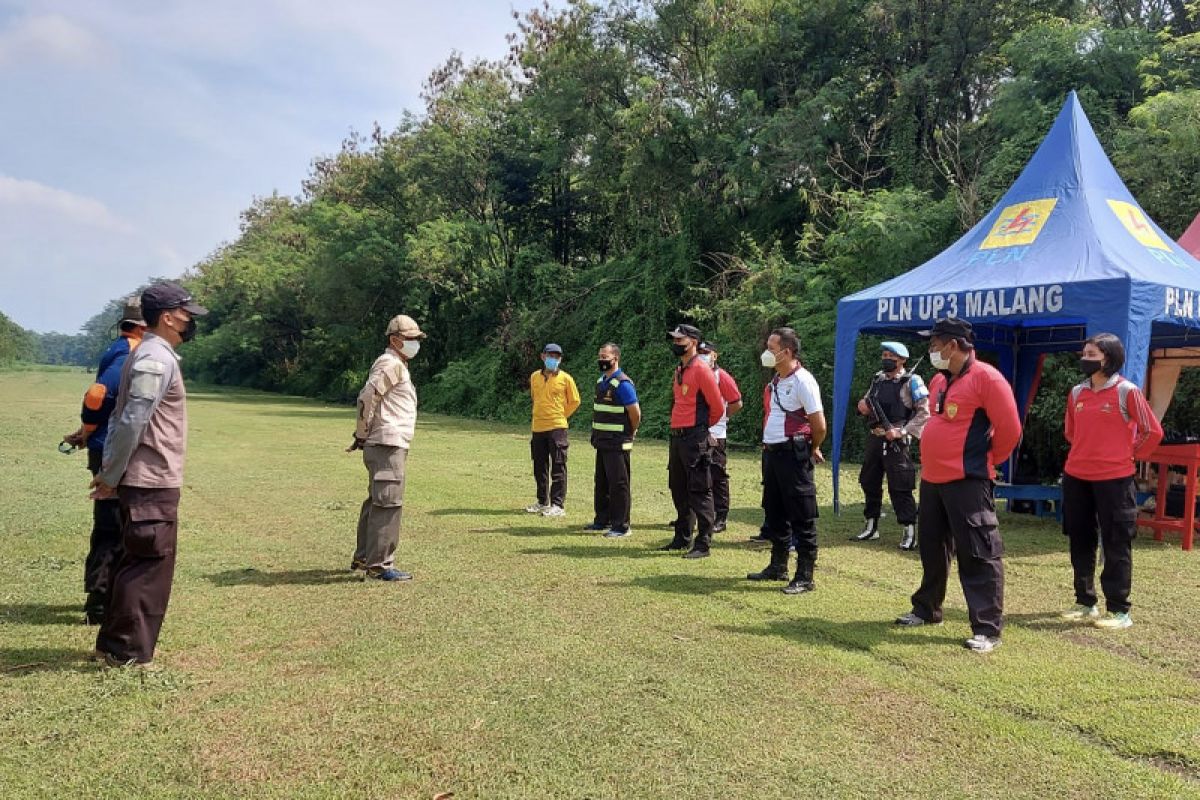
379, 520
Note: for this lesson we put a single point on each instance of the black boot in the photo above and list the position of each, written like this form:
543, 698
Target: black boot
869, 533
93, 608
803, 581
720, 525
777, 569
908, 538
676, 544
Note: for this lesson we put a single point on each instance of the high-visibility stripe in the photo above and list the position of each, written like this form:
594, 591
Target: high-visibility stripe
609, 409
605, 426
627, 445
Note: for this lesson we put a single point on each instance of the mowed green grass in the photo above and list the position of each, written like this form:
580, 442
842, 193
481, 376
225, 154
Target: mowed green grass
529, 659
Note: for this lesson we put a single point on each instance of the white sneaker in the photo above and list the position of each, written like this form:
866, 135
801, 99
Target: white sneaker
536, 508
982, 644
1078, 613
554, 511
1117, 621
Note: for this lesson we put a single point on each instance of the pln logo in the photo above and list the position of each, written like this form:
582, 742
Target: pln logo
1019, 224
1136, 223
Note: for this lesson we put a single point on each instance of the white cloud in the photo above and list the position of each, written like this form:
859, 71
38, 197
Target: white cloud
23, 198
50, 38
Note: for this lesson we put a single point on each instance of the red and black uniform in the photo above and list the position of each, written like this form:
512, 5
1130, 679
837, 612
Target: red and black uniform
973, 425
1107, 429
698, 405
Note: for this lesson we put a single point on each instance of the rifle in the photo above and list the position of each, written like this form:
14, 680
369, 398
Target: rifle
877, 419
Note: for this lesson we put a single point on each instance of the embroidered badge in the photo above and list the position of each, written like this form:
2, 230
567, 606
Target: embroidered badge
952, 410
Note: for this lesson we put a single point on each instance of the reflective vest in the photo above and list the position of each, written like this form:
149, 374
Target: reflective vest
610, 420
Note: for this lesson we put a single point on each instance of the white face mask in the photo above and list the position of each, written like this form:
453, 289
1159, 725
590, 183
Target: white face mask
767, 359
706, 358
938, 360
410, 348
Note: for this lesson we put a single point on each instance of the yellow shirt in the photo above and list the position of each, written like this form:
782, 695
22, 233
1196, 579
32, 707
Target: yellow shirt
554, 399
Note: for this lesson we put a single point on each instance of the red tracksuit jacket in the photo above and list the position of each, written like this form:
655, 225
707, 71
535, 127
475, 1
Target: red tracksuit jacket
973, 424
1107, 429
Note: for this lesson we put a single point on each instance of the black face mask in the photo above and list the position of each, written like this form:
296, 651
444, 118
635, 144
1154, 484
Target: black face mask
888, 364
189, 330
678, 349
604, 365
1089, 366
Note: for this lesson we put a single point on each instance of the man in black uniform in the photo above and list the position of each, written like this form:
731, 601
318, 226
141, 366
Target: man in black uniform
897, 407
615, 419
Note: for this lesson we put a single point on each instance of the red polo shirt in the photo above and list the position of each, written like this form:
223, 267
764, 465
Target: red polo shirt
973, 424
1105, 434
698, 401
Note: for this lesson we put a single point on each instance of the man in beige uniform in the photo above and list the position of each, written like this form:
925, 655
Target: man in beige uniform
143, 467
387, 419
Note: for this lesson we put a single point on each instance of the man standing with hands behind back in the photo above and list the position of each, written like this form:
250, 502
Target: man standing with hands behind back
555, 398
698, 406
973, 425
143, 467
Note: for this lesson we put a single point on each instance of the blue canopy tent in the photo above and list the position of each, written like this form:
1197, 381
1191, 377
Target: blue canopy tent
1066, 253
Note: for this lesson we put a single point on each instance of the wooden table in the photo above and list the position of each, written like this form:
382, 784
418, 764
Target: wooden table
1174, 455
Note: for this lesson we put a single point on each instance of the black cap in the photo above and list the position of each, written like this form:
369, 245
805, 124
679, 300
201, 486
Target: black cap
707, 347
552, 348
167, 295
689, 331
952, 327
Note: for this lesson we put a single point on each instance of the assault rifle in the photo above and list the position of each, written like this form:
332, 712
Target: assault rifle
877, 420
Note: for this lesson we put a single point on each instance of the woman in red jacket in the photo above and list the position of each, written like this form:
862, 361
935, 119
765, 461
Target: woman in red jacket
1108, 425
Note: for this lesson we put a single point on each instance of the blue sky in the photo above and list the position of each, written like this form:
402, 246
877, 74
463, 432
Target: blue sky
132, 133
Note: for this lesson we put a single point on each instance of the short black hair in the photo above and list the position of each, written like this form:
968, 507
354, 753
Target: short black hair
616, 348
788, 340
151, 316
128, 326
1113, 350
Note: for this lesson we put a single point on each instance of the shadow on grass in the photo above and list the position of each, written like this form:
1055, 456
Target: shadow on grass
476, 512
599, 550
24, 660
700, 585
297, 577
856, 635
41, 614
1045, 621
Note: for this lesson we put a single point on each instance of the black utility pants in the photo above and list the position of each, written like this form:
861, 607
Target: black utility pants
960, 516
689, 474
790, 501
1104, 511
611, 495
549, 452
104, 547
142, 580
894, 460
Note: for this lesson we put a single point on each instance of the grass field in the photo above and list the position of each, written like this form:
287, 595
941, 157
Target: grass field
529, 659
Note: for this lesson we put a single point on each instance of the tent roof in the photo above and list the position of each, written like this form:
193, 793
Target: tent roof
1190, 240
1067, 218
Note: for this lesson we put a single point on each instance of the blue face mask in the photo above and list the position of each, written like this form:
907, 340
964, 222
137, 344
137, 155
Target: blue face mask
552, 363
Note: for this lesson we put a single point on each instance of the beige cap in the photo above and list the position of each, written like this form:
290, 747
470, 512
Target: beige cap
132, 311
406, 326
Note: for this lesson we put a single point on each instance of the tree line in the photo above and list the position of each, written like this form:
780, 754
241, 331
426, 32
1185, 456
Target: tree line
739, 164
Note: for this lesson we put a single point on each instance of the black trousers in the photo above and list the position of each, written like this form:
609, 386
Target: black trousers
891, 459
960, 517
549, 452
790, 503
611, 495
689, 474
1104, 511
141, 584
720, 480
104, 547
